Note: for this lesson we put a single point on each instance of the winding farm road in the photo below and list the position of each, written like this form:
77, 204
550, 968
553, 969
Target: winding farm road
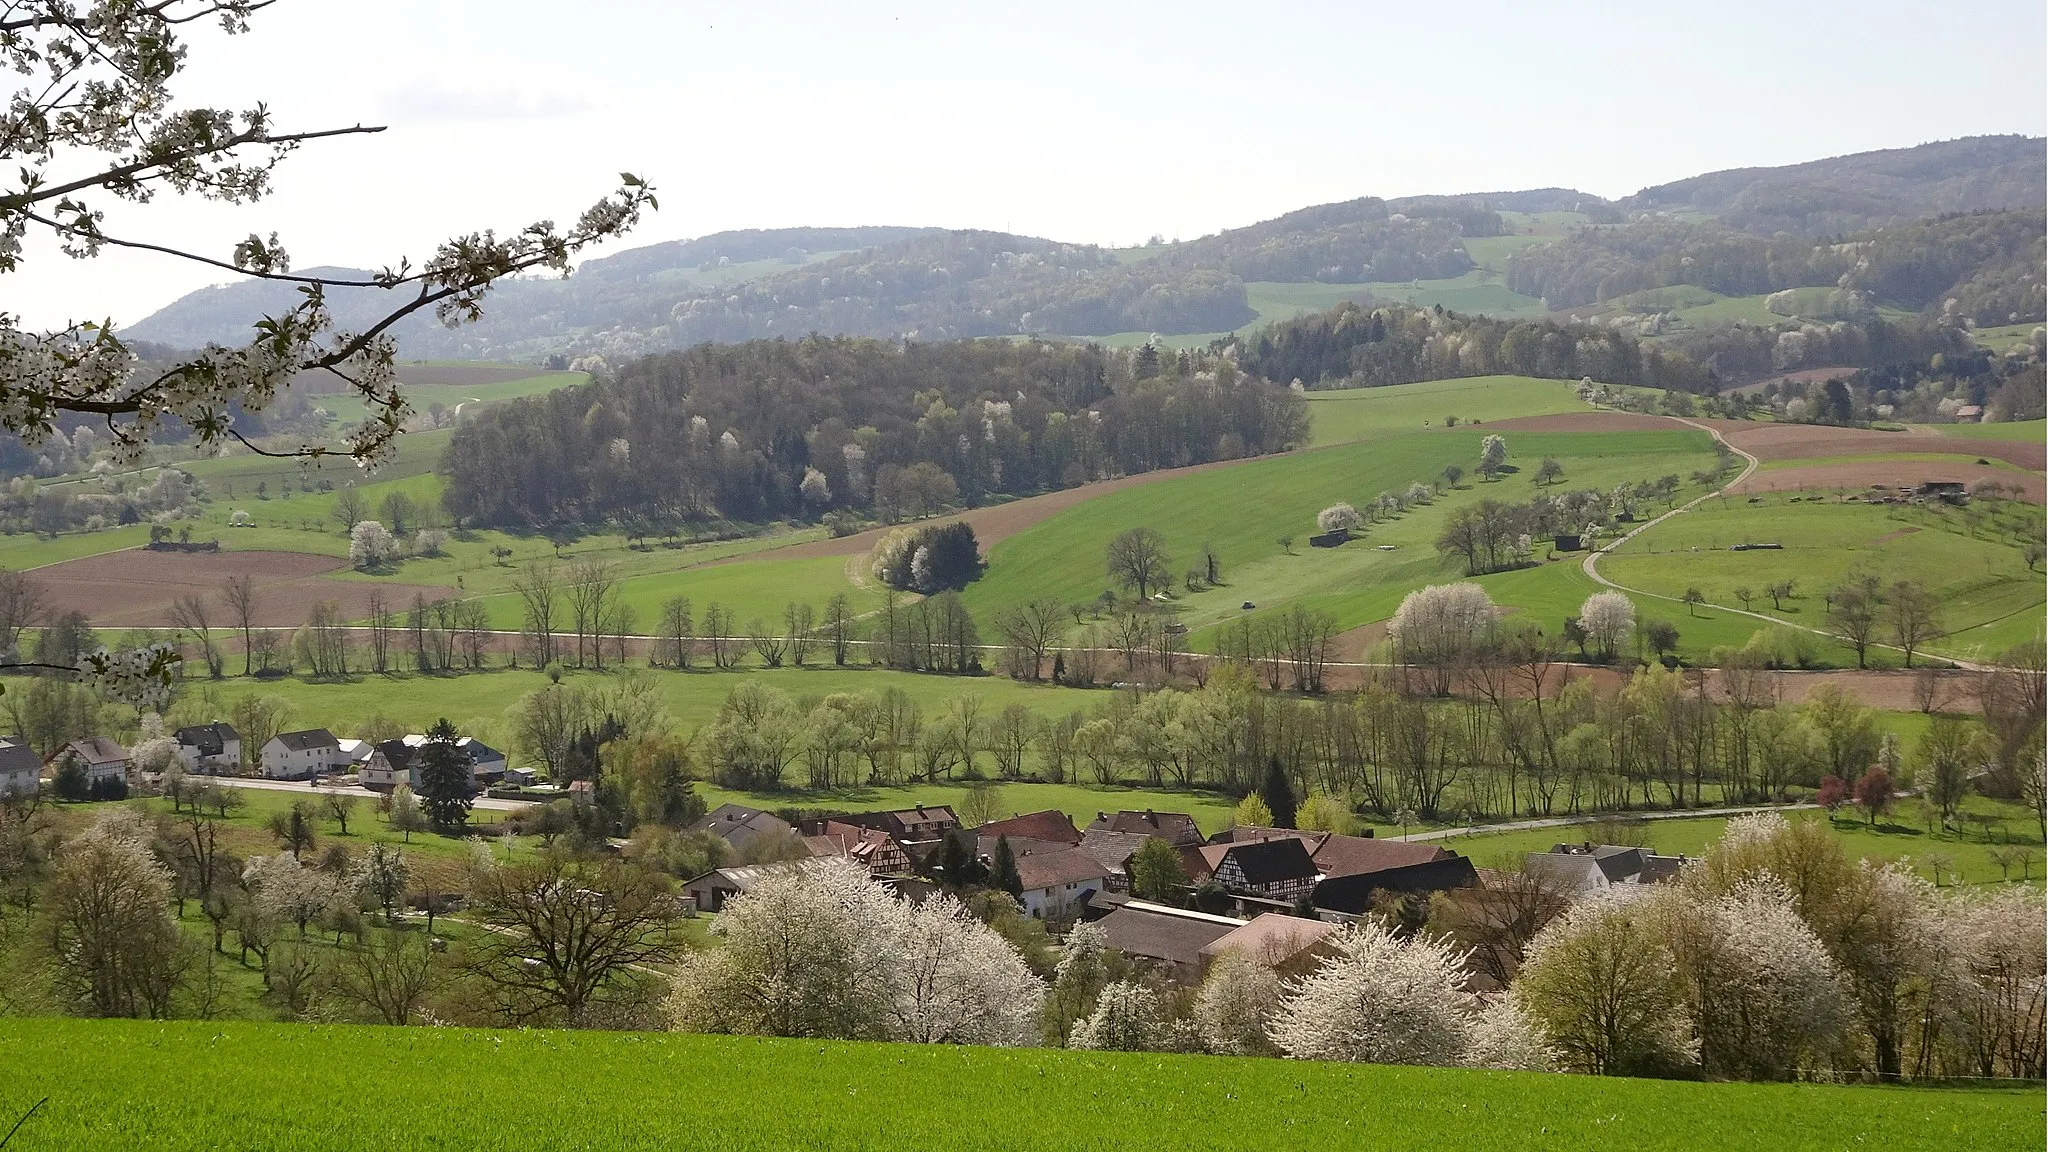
1591, 564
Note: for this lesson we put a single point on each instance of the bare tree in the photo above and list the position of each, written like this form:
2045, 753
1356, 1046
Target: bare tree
1138, 562
22, 604
726, 648
589, 592
348, 508
190, 613
568, 936
677, 630
390, 978
1031, 628
839, 626
1856, 609
800, 626
240, 594
380, 632
766, 641
1915, 616
538, 587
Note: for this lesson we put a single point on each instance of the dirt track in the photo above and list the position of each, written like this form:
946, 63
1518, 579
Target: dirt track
137, 587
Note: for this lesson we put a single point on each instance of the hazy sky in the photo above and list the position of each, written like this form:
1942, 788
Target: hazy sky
1097, 121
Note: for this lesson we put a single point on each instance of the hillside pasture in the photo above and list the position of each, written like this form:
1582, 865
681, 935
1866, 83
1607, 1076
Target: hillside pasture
1343, 415
2018, 431
1974, 564
455, 390
1244, 511
129, 1084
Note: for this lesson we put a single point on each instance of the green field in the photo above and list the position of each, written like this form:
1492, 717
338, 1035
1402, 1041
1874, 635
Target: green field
1342, 415
1966, 855
1990, 599
1242, 511
349, 408
2019, 431
124, 1085
2005, 337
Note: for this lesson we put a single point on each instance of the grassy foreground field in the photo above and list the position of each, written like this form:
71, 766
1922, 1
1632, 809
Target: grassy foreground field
123, 1085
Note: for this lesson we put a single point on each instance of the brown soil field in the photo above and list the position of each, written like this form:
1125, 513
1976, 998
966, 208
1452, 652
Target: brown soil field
1856, 475
992, 524
1767, 441
136, 587
1589, 422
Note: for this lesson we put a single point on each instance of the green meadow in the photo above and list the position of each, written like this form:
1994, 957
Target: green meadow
1342, 415
131, 1084
1968, 855
1971, 558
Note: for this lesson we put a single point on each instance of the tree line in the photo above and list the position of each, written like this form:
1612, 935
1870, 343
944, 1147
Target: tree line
816, 427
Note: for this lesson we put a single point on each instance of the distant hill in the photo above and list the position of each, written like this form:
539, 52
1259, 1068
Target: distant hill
941, 284
1866, 189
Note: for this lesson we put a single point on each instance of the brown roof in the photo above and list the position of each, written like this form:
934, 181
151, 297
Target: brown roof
1271, 938
1052, 869
1051, 824
1113, 849
1356, 855
1155, 932
1178, 827
94, 750
1264, 861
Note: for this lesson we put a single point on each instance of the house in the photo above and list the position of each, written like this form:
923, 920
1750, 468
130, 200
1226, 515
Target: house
1290, 945
395, 762
1113, 850
1176, 828
1278, 869
922, 824
391, 763
871, 848
752, 833
1349, 897
711, 890
357, 751
1051, 825
103, 759
209, 748
1582, 868
302, 755
1970, 414
21, 774
1056, 884
1169, 938
1337, 854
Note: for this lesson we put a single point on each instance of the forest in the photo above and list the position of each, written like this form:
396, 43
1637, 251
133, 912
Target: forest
1351, 346
818, 426
1989, 263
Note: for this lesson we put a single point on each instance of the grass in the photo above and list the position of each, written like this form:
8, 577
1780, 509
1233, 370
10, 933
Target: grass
1243, 509
1343, 415
1900, 835
2021, 431
750, 590
1990, 598
129, 1084
2005, 337
1212, 812
349, 408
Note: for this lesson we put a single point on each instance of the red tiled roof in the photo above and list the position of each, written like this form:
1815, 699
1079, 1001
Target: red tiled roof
1052, 869
1050, 824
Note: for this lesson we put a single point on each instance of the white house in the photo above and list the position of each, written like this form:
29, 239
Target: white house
103, 758
1057, 883
20, 772
209, 748
357, 751
302, 755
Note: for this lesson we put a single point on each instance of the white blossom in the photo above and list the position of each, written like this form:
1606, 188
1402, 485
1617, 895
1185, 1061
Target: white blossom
1379, 1000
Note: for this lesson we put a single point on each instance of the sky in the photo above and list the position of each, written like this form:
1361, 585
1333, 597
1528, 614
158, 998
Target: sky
1100, 121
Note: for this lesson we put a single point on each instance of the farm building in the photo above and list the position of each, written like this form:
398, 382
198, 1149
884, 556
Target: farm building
871, 848
209, 748
1113, 850
751, 832
711, 890
302, 755
103, 759
20, 772
1290, 945
1277, 869
922, 824
1051, 826
1056, 884
1172, 939
1349, 897
1581, 868
1176, 828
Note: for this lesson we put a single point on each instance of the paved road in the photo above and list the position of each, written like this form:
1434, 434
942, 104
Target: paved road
488, 803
